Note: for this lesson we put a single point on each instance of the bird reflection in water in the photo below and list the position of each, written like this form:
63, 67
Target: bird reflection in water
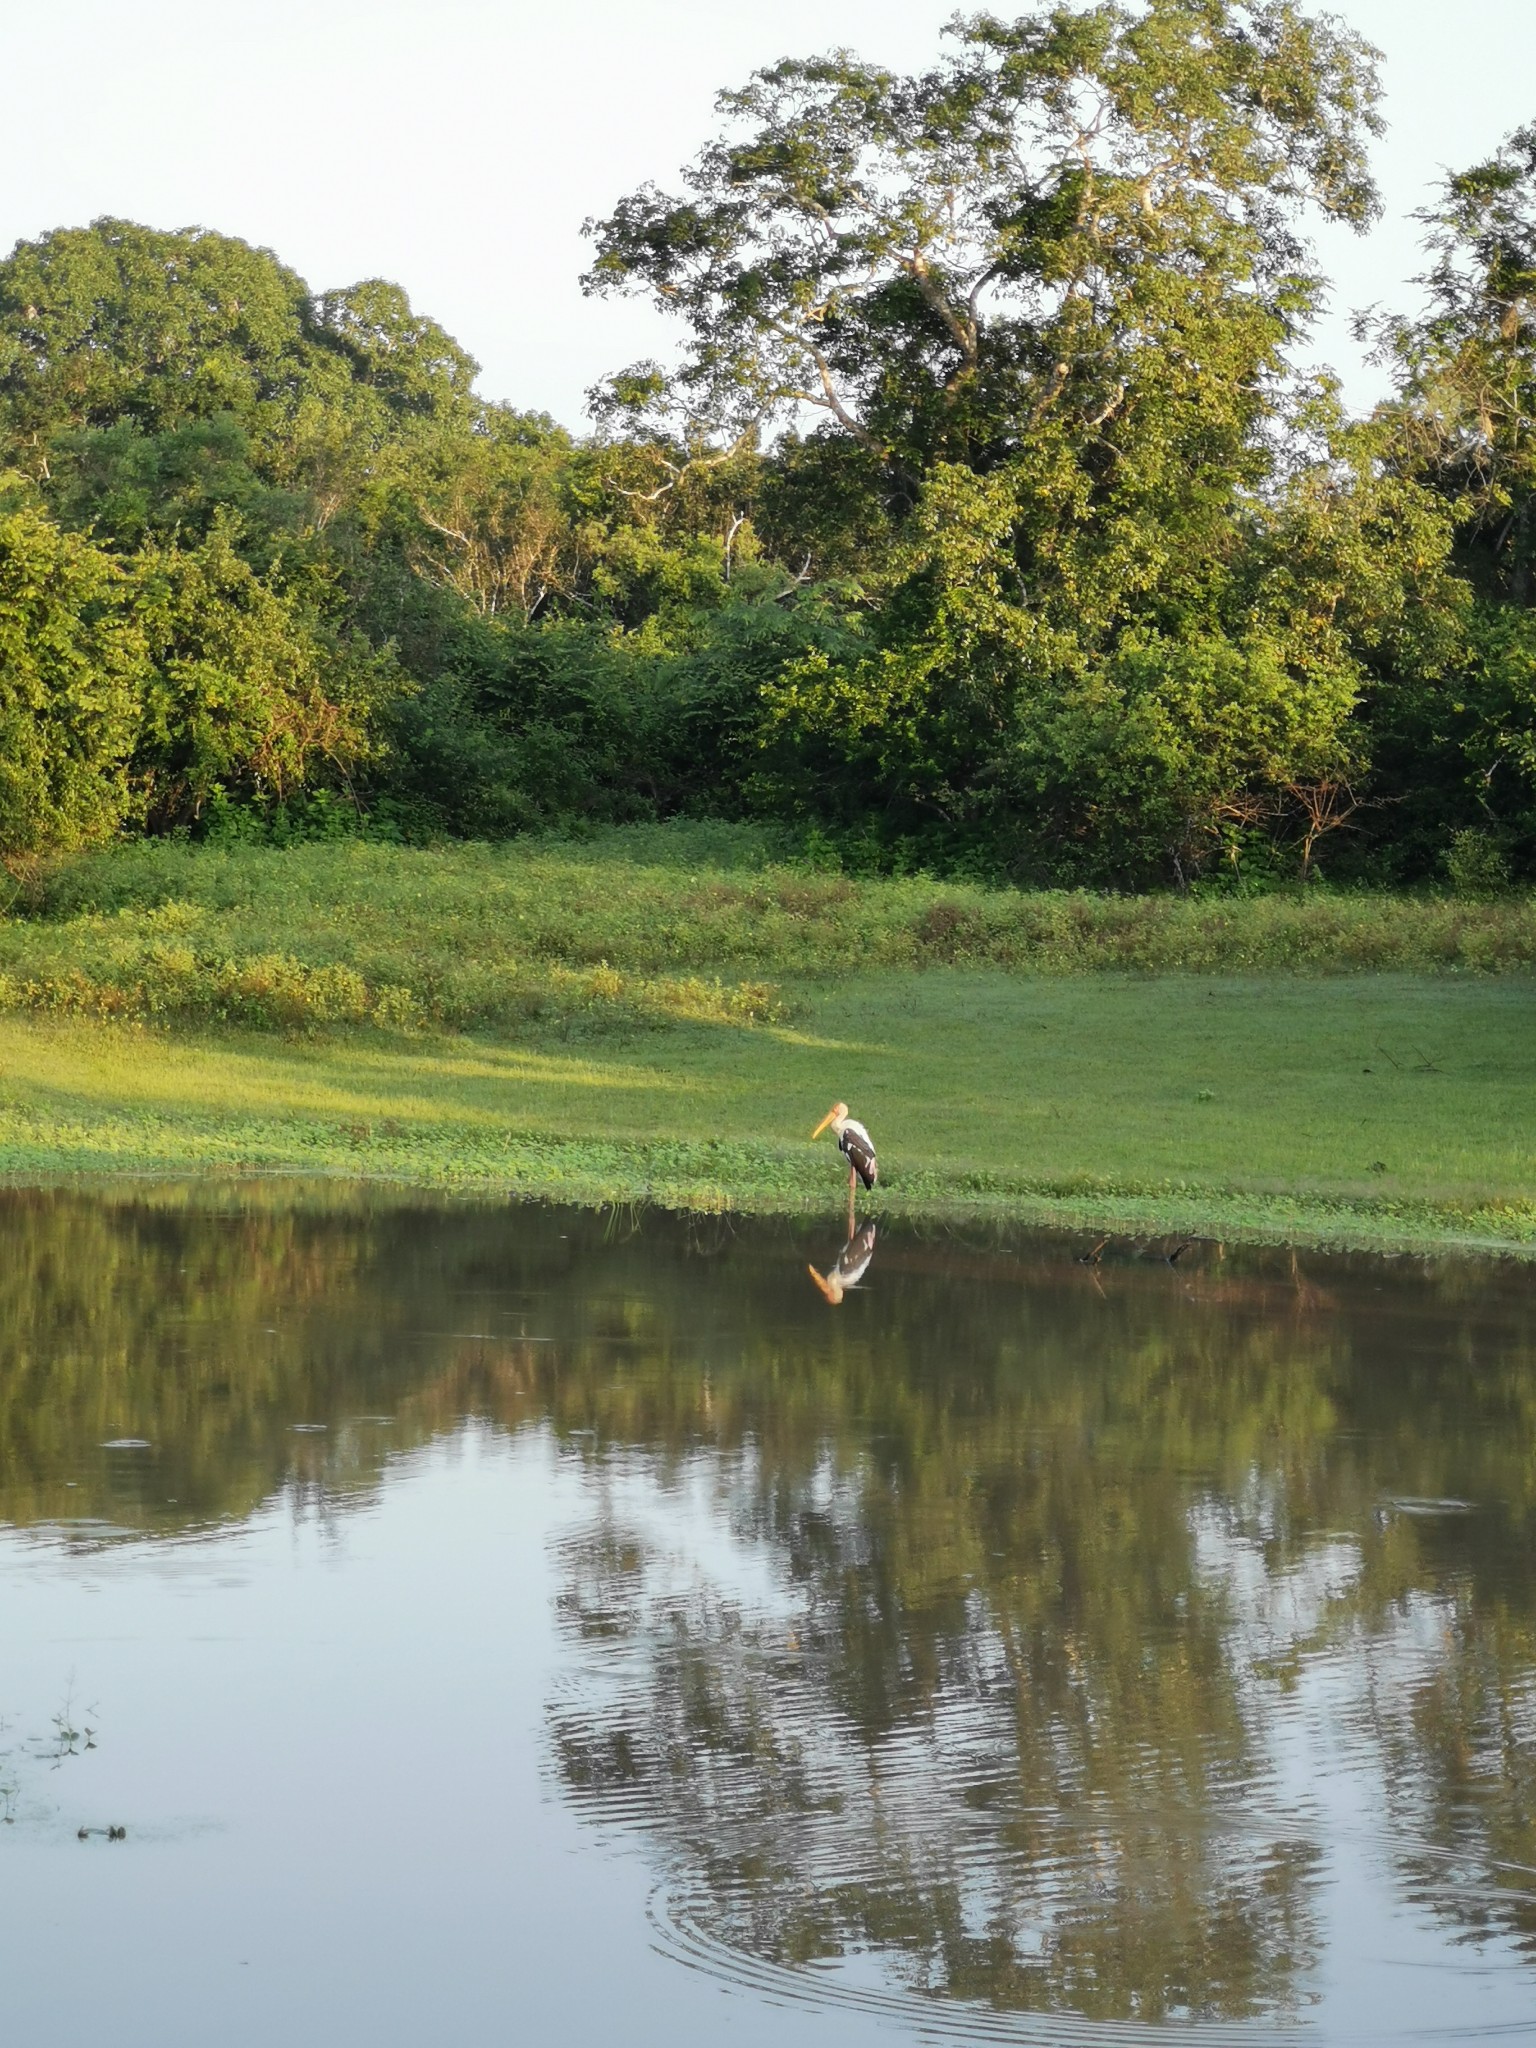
851, 1265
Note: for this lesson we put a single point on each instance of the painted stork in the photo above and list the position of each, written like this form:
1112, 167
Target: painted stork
852, 1264
855, 1144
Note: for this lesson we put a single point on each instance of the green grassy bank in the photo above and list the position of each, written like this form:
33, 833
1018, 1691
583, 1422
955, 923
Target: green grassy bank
662, 1017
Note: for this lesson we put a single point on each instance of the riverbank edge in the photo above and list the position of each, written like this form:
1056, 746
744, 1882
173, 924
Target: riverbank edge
555, 1174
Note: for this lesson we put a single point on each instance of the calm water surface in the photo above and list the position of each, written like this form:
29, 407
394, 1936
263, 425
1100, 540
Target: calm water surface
515, 1625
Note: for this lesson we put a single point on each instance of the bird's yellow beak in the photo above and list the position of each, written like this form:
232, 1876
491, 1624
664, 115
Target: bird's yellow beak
827, 1291
832, 1112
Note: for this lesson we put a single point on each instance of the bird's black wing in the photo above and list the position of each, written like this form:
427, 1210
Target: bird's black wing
860, 1153
853, 1260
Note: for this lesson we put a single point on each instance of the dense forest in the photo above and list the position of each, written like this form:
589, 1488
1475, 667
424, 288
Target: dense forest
983, 522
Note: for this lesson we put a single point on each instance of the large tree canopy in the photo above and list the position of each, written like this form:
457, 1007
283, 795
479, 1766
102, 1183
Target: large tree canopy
119, 326
1046, 289
119, 322
1075, 209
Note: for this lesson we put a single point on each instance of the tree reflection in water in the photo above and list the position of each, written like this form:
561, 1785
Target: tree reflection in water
1050, 1618
1024, 1630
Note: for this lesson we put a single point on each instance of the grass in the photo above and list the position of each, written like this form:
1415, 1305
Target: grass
1388, 1110
660, 1015
661, 923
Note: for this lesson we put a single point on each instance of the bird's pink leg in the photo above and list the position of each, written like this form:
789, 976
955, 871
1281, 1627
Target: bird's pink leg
853, 1183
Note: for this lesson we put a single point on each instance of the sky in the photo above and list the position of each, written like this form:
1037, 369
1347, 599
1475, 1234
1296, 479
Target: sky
456, 146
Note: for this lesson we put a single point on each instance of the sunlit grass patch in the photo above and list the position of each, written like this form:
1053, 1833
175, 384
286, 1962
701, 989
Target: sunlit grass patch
1382, 1109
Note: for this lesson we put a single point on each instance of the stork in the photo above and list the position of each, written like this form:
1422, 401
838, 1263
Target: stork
855, 1144
852, 1264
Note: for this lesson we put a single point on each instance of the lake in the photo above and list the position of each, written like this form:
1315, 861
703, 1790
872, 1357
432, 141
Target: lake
493, 1623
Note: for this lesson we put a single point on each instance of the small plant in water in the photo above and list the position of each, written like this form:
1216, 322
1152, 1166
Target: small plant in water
67, 1738
8, 1784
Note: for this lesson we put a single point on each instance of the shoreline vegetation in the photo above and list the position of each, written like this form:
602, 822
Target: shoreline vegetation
658, 1016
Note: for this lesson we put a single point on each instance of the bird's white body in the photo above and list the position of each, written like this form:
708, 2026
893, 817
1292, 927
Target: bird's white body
853, 1141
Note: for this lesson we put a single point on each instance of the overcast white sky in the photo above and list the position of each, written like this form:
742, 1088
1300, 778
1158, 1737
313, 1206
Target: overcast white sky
456, 145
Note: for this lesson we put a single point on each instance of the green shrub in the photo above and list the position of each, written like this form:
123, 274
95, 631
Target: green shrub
1476, 864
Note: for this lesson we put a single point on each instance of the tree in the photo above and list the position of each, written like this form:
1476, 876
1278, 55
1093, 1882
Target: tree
415, 366
498, 525
1045, 290
1465, 412
73, 666
1072, 205
1153, 752
120, 322
129, 485
252, 695
1454, 723
119, 329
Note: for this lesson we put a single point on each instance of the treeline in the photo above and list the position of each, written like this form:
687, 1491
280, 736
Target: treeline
984, 522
